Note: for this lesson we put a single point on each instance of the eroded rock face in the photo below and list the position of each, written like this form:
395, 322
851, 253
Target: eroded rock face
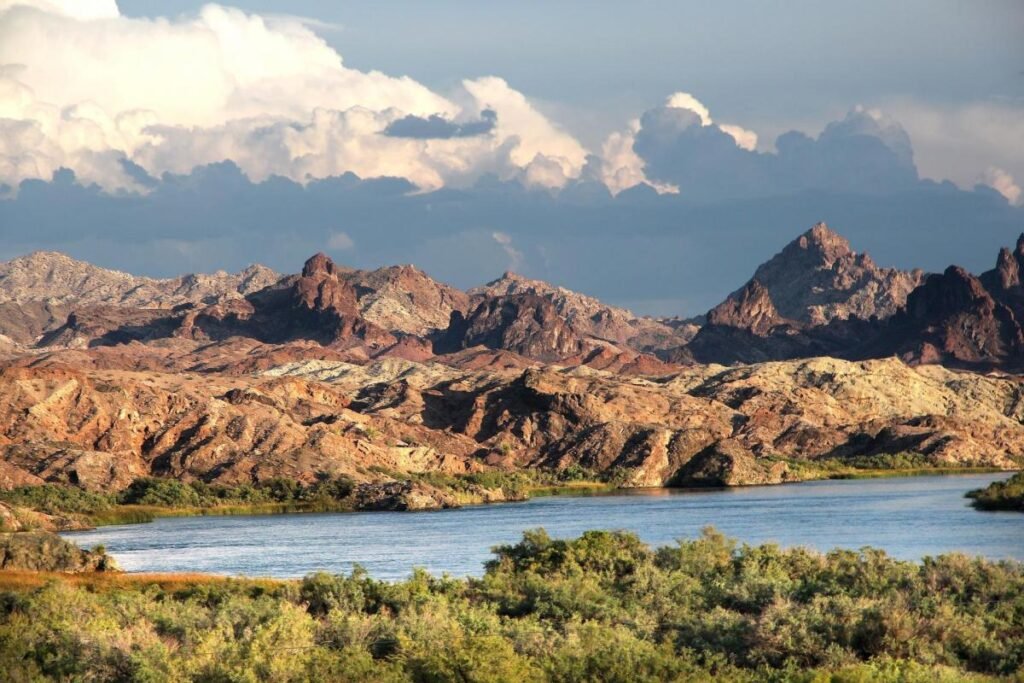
100, 429
818, 278
750, 309
737, 420
405, 299
953, 318
590, 317
55, 278
522, 323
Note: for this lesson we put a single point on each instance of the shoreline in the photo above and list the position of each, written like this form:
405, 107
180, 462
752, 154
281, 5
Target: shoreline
145, 514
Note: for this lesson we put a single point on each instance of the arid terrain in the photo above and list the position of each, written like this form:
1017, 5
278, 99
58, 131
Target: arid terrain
822, 358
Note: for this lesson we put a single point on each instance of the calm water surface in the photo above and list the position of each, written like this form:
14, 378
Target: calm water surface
908, 517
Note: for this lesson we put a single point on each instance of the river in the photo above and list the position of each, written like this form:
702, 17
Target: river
909, 517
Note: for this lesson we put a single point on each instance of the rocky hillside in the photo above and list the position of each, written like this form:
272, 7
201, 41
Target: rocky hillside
405, 300
705, 425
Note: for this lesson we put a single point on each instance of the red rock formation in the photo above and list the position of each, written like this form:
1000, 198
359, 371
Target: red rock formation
523, 323
750, 309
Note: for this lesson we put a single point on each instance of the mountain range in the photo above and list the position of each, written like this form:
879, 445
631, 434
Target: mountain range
821, 356
816, 297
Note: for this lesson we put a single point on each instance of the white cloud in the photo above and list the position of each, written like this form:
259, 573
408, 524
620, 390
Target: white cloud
82, 87
79, 9
684, 100
959, 142
747, 139
1003, 183
341, 241
515, 257
622, 168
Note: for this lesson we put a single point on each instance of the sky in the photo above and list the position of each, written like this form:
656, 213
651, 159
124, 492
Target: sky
650, 153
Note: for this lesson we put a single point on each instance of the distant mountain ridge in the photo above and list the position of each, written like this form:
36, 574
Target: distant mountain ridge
816, 297
58, 278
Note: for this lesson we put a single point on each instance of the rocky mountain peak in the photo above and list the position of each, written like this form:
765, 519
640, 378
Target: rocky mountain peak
950, 293
405, 299
524, 323
586, 315
823, 245
818, 278
319, 264
319, 288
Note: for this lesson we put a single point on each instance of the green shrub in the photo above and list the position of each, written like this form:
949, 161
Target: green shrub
57, 499
1001, 495
160, 492
601, 607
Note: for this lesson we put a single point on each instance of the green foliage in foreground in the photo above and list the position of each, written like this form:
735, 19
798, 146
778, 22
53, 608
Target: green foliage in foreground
603, 607
1001, 495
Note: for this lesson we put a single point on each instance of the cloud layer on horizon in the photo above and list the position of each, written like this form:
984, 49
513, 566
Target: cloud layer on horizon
658, 254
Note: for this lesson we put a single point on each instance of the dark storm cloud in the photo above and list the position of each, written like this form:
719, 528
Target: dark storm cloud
438, 127
862, 153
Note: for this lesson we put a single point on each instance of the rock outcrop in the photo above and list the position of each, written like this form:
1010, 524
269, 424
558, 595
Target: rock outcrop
526, 324
404, 299
749, 309
952, 318
42, 551
738, 421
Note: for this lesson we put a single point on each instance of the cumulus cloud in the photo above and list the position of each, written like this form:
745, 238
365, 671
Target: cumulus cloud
83, 87
622, 168
960, 141
1003, 183
681, 146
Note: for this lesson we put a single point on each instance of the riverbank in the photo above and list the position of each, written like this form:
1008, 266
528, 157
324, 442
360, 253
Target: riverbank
822, 514
70, 508
602, 606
